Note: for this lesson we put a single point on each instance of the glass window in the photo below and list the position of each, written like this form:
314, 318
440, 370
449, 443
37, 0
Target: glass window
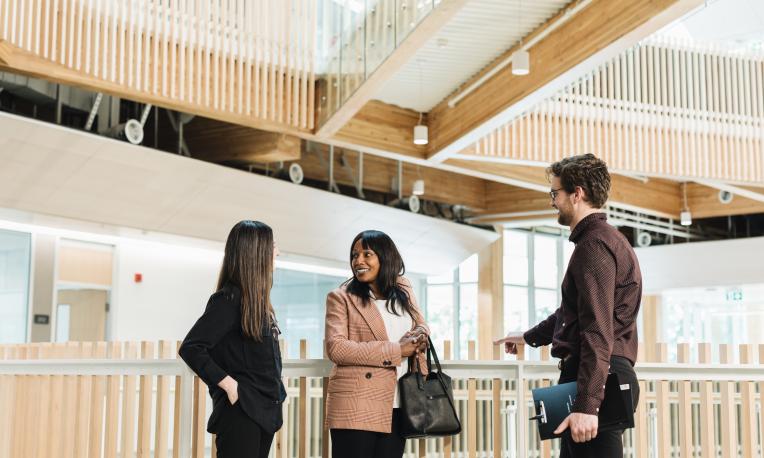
468, 294
446, 278
515, 308
515, 258
300, 302
440, 313
15, 254
546, 303
723, 315
545, 261
567, 252
532, 295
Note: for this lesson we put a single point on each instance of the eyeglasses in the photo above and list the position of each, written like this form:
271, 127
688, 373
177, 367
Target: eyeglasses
553, 193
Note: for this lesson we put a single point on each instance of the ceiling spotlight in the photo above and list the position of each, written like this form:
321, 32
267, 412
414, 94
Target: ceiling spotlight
418, 188
420, 135
521, 63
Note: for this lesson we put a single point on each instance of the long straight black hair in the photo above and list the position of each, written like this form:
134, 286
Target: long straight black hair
248, 264
391, 267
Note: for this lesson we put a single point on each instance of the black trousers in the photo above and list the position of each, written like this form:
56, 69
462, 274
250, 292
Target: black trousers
240, 437
355, 443
608, 444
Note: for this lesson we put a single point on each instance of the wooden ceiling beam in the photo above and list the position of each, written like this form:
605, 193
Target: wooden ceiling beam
217, 141
703, 202
382, 129
598, 31
405, 51
656, 197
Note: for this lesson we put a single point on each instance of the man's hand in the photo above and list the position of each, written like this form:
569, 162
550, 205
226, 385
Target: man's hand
583, 427
511, 342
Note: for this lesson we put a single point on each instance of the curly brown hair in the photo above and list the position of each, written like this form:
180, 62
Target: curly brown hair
586, 171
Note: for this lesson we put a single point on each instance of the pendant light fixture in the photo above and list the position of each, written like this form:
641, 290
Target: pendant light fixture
421, 134
521, 59
685, 217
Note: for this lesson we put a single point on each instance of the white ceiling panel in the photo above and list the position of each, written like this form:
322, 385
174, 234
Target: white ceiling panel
480, 32
99, 180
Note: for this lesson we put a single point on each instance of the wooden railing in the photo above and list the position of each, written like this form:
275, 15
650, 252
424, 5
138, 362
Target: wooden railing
134, 399
222, 58
657, 110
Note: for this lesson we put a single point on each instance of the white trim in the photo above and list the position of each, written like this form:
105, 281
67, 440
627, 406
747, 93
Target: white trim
457, 369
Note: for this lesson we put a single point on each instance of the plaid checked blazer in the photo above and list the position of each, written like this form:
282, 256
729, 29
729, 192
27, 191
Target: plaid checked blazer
363, 380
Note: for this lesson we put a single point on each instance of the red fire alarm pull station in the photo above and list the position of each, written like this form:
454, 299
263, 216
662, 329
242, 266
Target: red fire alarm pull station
138, 277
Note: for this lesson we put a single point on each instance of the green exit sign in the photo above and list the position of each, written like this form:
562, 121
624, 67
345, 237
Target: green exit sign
735, 295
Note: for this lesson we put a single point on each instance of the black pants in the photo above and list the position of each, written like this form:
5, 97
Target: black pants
240, 437
608, 444
354, 443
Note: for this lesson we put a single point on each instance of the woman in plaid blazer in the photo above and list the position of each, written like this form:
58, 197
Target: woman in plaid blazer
373, 327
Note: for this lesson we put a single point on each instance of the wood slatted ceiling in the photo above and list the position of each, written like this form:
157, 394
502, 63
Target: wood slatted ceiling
234, 56
653, 110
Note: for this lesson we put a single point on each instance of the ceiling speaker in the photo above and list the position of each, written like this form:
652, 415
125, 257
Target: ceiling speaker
644, 239
131, 131
296, 174
725, 197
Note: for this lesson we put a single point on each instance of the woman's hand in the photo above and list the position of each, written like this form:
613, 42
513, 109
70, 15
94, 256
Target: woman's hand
410, 345
418, 333
231, 388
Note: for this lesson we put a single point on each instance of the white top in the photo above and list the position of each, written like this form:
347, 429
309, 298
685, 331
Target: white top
396, 326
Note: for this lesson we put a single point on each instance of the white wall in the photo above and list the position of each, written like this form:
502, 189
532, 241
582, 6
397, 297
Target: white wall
177, 280
699, 264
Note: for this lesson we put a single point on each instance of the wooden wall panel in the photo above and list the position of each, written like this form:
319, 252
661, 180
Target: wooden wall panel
79, 263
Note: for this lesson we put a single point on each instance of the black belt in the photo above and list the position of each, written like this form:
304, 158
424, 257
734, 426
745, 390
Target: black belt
573, 358
563, 360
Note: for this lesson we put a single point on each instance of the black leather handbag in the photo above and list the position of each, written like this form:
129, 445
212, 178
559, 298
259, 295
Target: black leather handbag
427, 402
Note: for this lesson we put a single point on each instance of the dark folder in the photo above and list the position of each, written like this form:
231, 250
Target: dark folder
553, 405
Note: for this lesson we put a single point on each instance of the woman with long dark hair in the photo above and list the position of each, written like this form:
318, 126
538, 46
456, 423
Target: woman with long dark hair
373, 327
234, 347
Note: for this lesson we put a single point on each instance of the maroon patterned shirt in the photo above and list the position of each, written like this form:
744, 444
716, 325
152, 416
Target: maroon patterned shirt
601, 293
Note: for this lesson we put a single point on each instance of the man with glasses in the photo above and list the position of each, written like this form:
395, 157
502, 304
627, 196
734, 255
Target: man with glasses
594, 330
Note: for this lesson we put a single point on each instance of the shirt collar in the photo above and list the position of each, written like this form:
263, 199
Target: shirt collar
585, 223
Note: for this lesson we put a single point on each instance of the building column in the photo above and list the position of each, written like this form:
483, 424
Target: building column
42, 286
490, 297
650, 325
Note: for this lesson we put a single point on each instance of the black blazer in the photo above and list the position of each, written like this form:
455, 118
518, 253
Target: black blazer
215, 347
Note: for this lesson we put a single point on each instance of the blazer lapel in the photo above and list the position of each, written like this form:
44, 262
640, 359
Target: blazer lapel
371, 315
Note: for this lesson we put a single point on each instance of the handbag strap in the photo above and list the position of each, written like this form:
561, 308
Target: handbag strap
448, 396
432, 354
416, 370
